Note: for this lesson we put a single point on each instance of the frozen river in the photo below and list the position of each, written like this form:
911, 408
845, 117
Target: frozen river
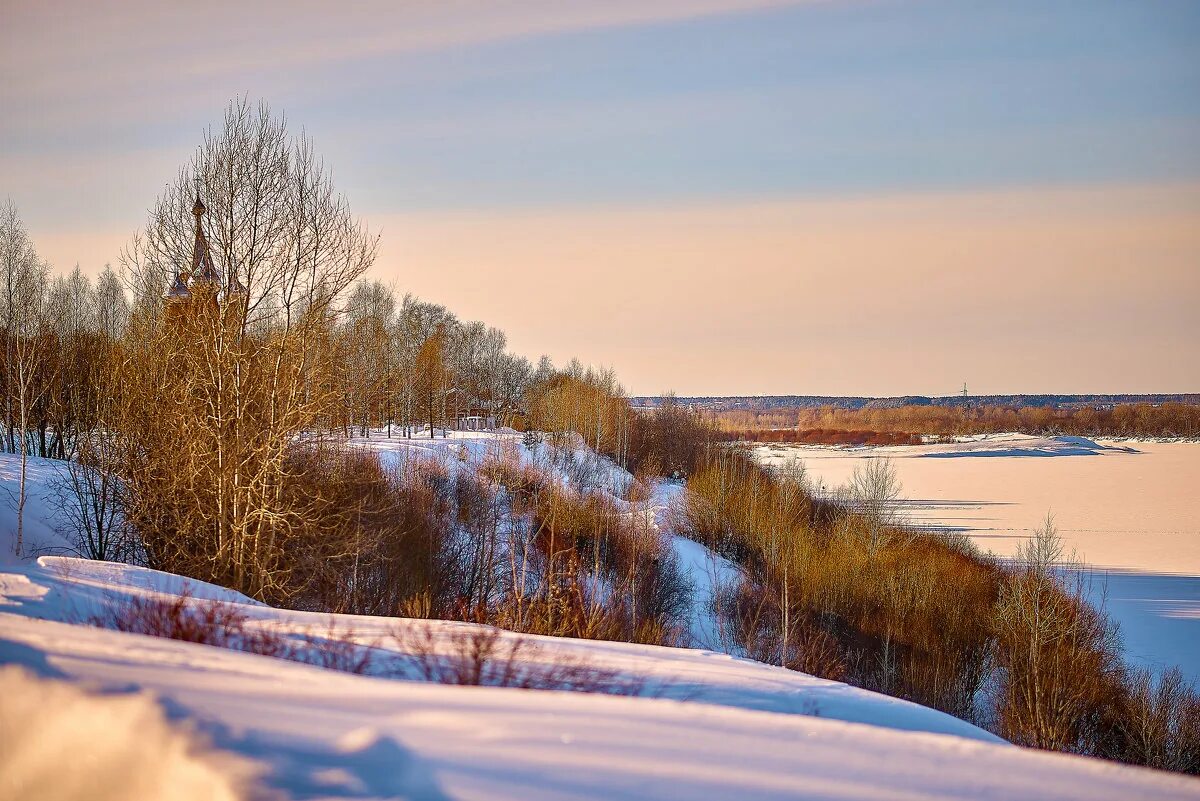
1131, 511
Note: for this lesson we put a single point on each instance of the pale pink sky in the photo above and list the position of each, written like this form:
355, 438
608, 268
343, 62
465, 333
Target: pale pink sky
1064, 290
712, 196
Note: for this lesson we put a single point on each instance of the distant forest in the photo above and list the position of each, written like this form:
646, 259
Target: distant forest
767, 402
905, 421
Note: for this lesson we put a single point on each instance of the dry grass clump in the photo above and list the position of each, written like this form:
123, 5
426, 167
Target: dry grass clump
484, 656
475, 655
225, 625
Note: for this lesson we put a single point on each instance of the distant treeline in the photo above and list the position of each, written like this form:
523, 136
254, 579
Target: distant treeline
1170, 419
771, 402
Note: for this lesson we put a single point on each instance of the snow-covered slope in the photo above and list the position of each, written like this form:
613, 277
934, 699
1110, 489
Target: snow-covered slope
702, 724
746, 730
76, 591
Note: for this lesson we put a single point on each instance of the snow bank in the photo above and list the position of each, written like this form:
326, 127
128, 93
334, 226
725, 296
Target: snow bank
60, 742
75, 591
329, 735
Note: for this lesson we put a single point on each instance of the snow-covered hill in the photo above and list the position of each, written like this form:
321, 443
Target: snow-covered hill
94, 708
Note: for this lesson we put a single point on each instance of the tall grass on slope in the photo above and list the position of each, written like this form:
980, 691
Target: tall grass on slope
871, 598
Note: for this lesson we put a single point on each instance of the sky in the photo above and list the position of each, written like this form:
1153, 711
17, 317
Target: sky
866, 197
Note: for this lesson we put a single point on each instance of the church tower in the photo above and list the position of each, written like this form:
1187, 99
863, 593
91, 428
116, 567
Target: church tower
203, 273
201, 278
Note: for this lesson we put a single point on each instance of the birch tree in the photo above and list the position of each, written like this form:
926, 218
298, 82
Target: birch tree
23, 278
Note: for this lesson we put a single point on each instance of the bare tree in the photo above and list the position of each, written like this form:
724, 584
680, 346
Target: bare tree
24, 278
88, 497
1059, 655
112, 306
223, 381
432, 378
874, 491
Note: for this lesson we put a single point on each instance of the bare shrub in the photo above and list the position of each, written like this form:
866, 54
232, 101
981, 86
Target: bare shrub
225, 625
1059, 656
671, 440
752, 614
645, 594
1160, 723
335, 648
874, 490
523, 481
87, 495
372, 537
483, 656
176, 617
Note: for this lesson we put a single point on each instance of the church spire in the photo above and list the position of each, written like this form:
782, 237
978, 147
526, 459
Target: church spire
202, 270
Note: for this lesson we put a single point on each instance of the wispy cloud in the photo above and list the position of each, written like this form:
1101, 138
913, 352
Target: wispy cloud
85, 46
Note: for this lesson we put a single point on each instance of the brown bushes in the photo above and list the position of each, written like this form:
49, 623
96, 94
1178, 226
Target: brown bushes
1063, 686
176, 618
844, 593
843, 598
1122, 420
608, 573
523, 550
371, 538
1160, 724
1059, 657
588, 402
669, 440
